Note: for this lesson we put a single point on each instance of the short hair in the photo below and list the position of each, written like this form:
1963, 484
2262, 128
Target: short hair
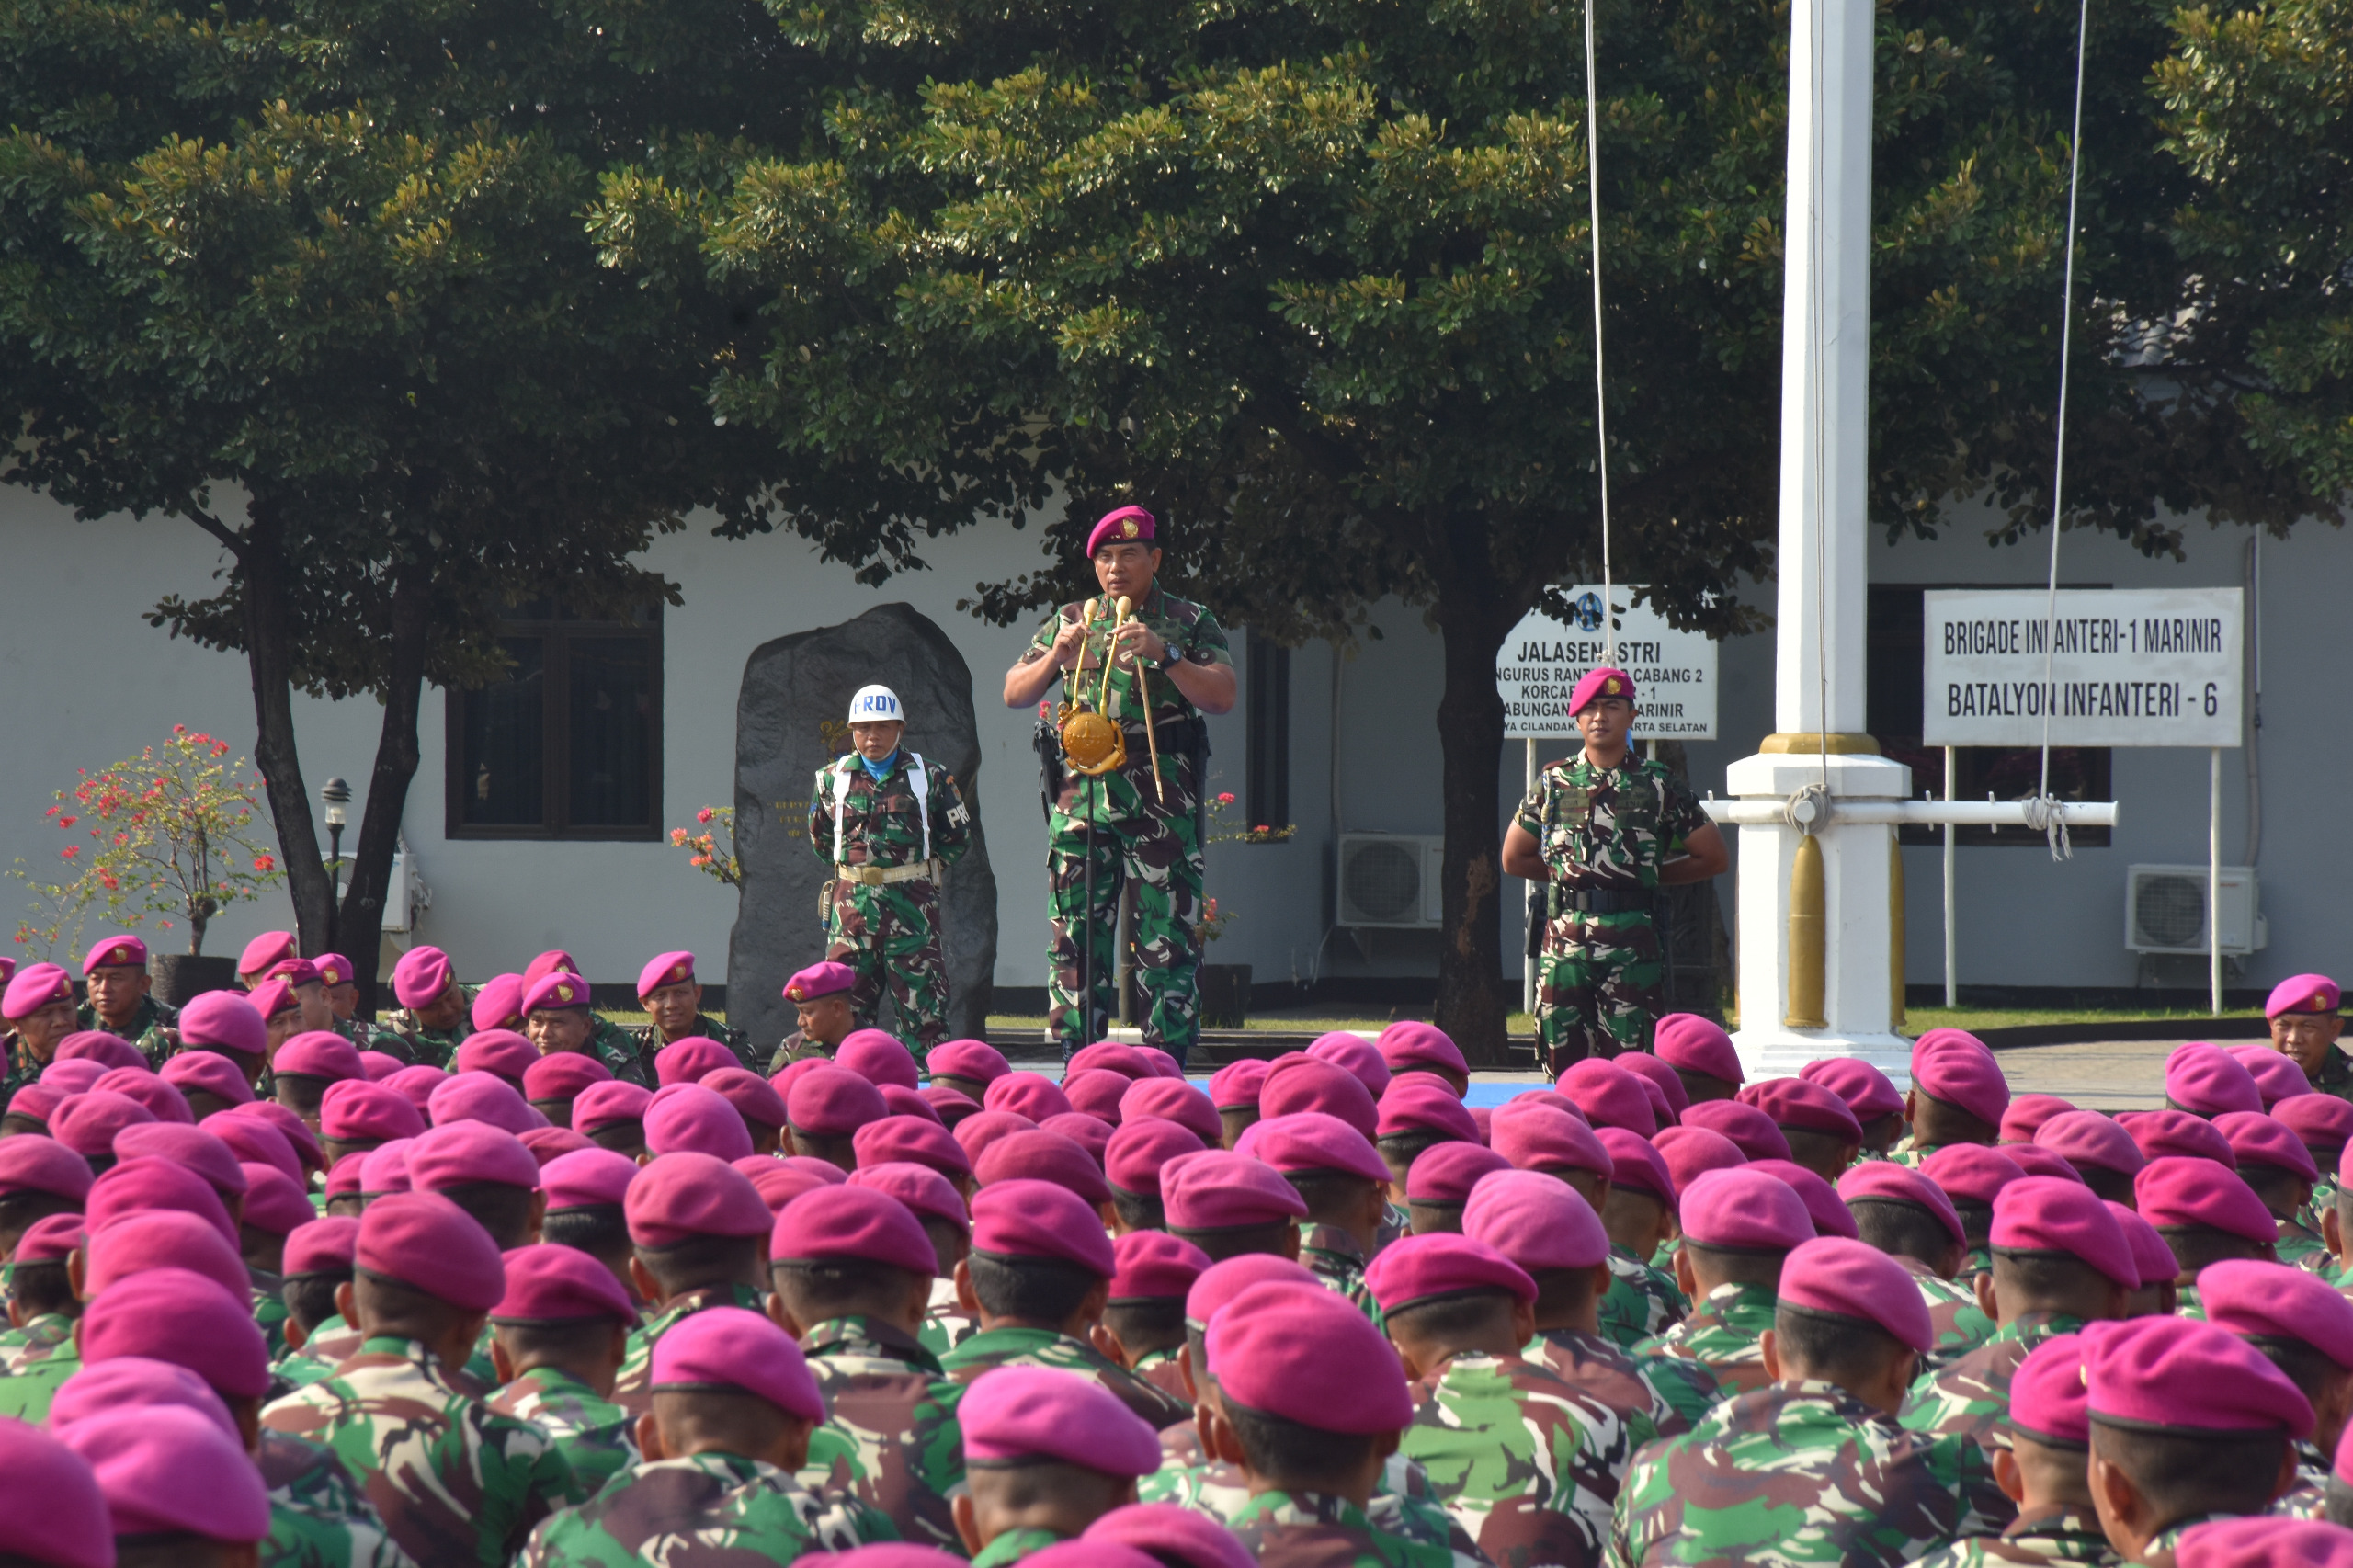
2188, 1473
1235, 1241
2195, 1246
950, 1241
1830, 1345
1737, 1265
623, 1136
1699, 1086
1296, 1458
1561, 1291
833, 1151
2338, 1509
502, 1211
305, 1091
725, 1418
1901, 1229
2035, 1280
1431, 1218
396, 1306
1039, 1483
1332, 1196
2307, 1367
41, 1287
345, 1205
599, 1228
1147, 1323
1139, 1211
177, 1549
2277, 1188
1936, 1123
2112, 1187
1041, 1289
1976, 1220
563, 1339
1399, 1150
1450, 1319
21, 1211
820, 1289
698, 1261
1810, 1146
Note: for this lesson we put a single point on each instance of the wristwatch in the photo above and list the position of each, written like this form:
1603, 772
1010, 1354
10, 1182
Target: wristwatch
1170, 657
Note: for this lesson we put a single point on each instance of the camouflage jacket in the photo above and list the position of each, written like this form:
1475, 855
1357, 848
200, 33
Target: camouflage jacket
891, 1438
1011, 1546
995, 1347
1332, 1255
2308, 1498
1188, 628
2298, 1243
2336, 1074
1401, 1504
646, 1040
1162, 1371
1609, 827
26, 1394
710, 1511
2046, 1534
319, 1517
1636, 1391
1801, 1472
880, 823
798, 1047
946, 1325
19, 1067
2158, 1552
1724, 1333
1641, 1302
630, 1389
596, 1437
1314, 1529
1970, 1398
454, 1481
150, 1027
1528, 1466
398, 1033
1958, 1323
36, 1341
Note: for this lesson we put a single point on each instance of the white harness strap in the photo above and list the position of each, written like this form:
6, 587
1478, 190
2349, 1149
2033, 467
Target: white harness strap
918, 779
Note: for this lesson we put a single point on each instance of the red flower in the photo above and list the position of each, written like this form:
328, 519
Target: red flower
705, 814
1226, 798
70, 851
265, 862
67, 821
677, 835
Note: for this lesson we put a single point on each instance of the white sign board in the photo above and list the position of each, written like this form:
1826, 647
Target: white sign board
2125, 667
1541, 660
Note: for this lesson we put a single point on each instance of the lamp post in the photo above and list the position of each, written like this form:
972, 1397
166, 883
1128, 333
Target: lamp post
337, 795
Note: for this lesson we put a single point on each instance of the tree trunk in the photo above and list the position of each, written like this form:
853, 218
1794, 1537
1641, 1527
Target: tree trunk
362, 915
270, 659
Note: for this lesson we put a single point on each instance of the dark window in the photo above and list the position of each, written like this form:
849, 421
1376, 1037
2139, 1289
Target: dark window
569, 746
1893, 709
1269, 787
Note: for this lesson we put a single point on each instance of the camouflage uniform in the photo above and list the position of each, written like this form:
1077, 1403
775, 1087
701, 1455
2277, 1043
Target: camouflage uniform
34, 1343
2308, 1498
1801, 1472
1333, 1256
621, 1050
1641, 1302
2298, 1244
330, 1345
1149, 834
646, 1040
1013, 1545
889, 935
1972, 1397
318, 1516
711, 1511
26, 1394
1401, 1504
1528, 1466
2336, 1074
798, 1047
633, 1390
147, 1027
454, 1481
357, 1030
946, 1324
2051, 1533
270, 1311
890, 1438
994, 1348
1957, 1323
1656, 1396
398, 1033
2161, 1548
1603, 831
1723, 1333
21, 1069
1316, 1529
595, 1436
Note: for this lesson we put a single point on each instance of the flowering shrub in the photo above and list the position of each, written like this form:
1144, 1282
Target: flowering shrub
168, 833
1214, 922
702, 848
1227, 827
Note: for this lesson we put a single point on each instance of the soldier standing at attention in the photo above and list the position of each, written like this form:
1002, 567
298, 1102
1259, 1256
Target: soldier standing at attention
120, 1002
1126, 823
2301, 1011
1606, 830
672, 997
889, 823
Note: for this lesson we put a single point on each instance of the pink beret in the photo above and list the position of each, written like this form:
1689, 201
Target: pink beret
348, 1174
1304, 1353
2206, 1080
161, 1238
1236, 1085
2299, 994
168, 1470
1596, 684
829, 1102
34, 987
1172, 1099
877, 1057
137, 1383
1096, 1093
1301, 1083
949, 1108
2272, 1301
162, 1101
1750, 1129
1410, 1045
728, 1347
2277, 1076
687, 1117
1797, 1105
2045, 1214
484, 1097
1107, 1056
193, 1148
2150, 1256
420, 975
977, 1131
920, 1187
257, 1140
1970, 1173
603, 1104
70, 1078
910, 1137
1959, 1072
556, 990
428, 1244
88, 1122
36, 1102
546, 1283
1167, 1534
51, 1239
664, 969
778, 1182
2027, 1113
380, 1065
501, 1051
2265, 1541
1866, 1091
107, 1050
1355, 1055
209, 1072
1039, 1218
686, 1195
884, 1554
2175, 1374
1088, 1132
1609, 1096
1222, 1282
1881, 1181
1041, 1155
2036, 1159
586, 1177
971, 1060
1027, 1094
386, 1169
171, 1314
1032, 1412
223, 1020
899, 1100
1310, 1141
327, 1245
296, 973
43, 1165
547, 963
1535, 1220
1154, 1264
2174, 1191
467, 1152
2047, 1396
319, 1053
353, 1110
273, 997
1659, 1076
1217, 1190
274, 1203
2086, 1138
1420, 1104
1635, 1165
1415, 1268
2322, 1122
1688, 1151
854, 1222
1159, 1064
1120, 526
116, 952
687, 1061
1823, 1206
1692, 1044
1834, 1274
562, 1075
2259, 1139
498, 1002
1744, 1209
752, 1095
819, 980
266, 952
52, 1511
1136, 1152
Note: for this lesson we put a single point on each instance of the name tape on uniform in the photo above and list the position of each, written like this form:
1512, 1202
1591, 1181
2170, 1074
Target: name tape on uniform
1543, 660
2127, 668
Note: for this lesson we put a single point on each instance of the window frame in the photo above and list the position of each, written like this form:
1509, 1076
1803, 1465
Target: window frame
1265, 762
556, 635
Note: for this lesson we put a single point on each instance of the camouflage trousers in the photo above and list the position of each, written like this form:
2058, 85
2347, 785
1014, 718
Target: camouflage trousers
1598, 986
890, 938
1136, 838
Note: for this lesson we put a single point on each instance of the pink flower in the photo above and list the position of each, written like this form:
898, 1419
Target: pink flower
265, 862
67, 821
1226, 798
705, 814
699, 860
70, 851
677, 835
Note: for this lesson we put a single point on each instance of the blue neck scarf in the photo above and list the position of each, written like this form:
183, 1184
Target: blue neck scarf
875, 770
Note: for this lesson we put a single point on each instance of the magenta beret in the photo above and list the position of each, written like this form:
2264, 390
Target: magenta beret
1310, 1141
2302, 993
257, 1140
2322, 1122
2272, 1301
899, 1100
877, 1057
1154, 1264
665, 969
2175, 1191
145, 1185
1109, 1055
116, 952
556, 990
1300, 1083
1410, 1045
1797, 1105
380, 1065
28, 1164
1750, 1129
853, 1222
87, 1123
2206, 1080
819, 980
1883, 1181
2277, 1076
1531, 1135
547, 963
689, 1118
109, 1050
687, 1061
70, 1078
1866, 1091
158, 1099
2173, 1374
168, 1470
1170, 1536
1823, 1206
2265, 1541
1351, 1053
1959, 1071
51, 1239
319, 1053
428, 1244
1970, 1172
2045, 1214
209, 1072
275, 1204
296, 973
1304, 1353
171, 1314
1535, 1220
353, 1110
1222, 1282
1039, 1218
1415, 1268
977, 1131
1745, 1211
2150, 1256
1134, 1156
1041, 1155
36, 1102
828, 1102
1596, 684
562, 1076
2027, 1113
974, 1061
1015, 1414
2034, 1160
420, 975
1027, 1094
346, 1176
2086, 1138
1635, 1165
1089, 1132
728, 1347
1688, 1151
1218, 1190
1096, 1093
754, 1099
1609, 1096
1236, 1085
1672, 1096
2259, 1139
34, 987
415, 1085
161, 1238
884, 1554
325, 1246
1421, 1105
778, 1182
910, 1137
266, 952
2047, 1396
467, 1152
52, 1511
603, 1104
1123, 525
686, 1195
498, 1002
1172, 1099
546, 1283
137, 1383
484, 1097
1834, 1274
501, 1051
223, 1020
1445, 1172
920, 1187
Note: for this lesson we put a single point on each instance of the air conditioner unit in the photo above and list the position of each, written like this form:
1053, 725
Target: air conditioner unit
2164, 910
1390, 880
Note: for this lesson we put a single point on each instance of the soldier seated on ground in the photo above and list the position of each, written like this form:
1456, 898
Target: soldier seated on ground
584, 1191
2041, 1466
436, 1011
1144, 1319
1702, 1055
486, 1172
558, 1338
1823, 1133
1958, 1094
42, 1307
1229, 1204
695, 1228
318, 1262
1045, 1456
672, 997
2302, 1012
1440, 1183
2304, 1328
822, 1007
1340, 1178
1738, 1227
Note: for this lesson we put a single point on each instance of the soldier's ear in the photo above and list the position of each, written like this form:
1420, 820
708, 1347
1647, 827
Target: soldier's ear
1769, 1344
1987, 1303
649, 1438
